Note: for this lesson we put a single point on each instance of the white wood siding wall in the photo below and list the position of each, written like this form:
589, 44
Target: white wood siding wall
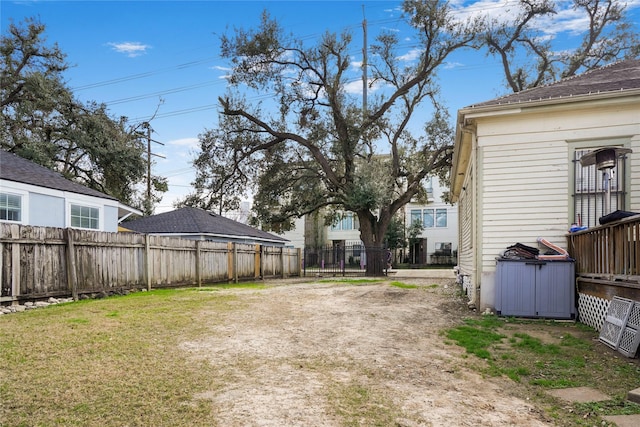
524, 194
465, 219
524, 178
634, 175
522, 173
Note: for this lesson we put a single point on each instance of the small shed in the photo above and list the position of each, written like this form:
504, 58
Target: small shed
198, 224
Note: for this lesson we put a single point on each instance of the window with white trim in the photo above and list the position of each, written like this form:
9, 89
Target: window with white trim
348, 221
430, 218
597, 192
85, 217
10, 207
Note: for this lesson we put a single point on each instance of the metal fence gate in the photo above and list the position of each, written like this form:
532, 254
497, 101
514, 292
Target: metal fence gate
337, 260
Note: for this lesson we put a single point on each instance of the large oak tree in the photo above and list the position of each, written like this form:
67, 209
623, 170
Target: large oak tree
311, 146
42, 121
526, 48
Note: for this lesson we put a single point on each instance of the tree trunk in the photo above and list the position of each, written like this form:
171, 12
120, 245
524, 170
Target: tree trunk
376, 259
372, 233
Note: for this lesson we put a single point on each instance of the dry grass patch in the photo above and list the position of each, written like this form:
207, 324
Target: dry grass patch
113, 361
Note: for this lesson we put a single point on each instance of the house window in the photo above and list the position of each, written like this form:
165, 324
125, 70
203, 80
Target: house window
427, 218
85, 217
441, 217
347, 222
416, 216
430, 218
443, 249
591, 200
10, 207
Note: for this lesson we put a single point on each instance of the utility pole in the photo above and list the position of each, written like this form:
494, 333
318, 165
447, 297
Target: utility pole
146, 125
147, 202
364, 66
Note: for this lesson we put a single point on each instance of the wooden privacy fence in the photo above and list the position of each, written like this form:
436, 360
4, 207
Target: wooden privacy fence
37, 262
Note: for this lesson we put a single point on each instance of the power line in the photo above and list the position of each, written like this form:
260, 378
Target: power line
164, 92
143, 75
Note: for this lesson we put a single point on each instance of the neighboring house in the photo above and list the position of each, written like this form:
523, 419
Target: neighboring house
437, 243
198, 224
31, 194
517, 174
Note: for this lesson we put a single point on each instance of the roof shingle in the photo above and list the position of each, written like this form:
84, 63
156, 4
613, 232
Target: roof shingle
616, 77
190, 220
17, 169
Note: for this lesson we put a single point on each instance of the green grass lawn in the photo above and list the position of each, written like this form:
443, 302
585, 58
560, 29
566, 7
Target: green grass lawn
571, 357
113, 361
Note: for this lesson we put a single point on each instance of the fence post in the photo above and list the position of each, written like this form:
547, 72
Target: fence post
1, 264
198, 266
256, 261
15, 263
72, 279
229, 261
147, 261
299, 254
282, 261
235, 263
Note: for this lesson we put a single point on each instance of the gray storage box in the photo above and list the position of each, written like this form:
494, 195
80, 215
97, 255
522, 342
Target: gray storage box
535, 288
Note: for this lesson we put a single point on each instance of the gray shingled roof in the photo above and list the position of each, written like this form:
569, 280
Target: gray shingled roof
196, 221
17, 169
617, 77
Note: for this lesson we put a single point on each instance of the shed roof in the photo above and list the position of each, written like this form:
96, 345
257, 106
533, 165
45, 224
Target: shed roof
195, 221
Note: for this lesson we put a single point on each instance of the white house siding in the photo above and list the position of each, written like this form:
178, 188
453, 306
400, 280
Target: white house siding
524, 182
45, 207
110, 219
352, 236
46, 211
296, 236
634, 187
448, 234
466, 228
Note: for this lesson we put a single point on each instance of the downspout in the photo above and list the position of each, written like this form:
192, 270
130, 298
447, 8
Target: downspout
474, 297
474, 220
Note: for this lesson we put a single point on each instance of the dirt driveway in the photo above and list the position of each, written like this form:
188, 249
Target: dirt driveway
333, 354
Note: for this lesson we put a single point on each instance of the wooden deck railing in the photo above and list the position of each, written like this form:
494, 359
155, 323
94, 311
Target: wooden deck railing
608, 252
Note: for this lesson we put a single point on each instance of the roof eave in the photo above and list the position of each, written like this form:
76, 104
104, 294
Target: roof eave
223, 236
620, 97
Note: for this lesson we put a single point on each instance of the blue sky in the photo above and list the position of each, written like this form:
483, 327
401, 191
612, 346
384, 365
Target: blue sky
133, 54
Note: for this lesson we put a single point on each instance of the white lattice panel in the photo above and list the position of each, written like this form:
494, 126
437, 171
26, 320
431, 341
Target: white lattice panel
615, 321
592, 310
630, 338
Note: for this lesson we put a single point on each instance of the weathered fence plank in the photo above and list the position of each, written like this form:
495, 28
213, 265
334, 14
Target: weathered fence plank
37, 262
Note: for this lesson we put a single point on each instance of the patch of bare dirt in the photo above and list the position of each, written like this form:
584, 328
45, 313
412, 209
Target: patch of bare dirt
286, 353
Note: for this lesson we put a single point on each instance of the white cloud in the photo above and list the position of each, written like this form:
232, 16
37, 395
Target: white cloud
412, 55
452, 65
220, 68
131, 49
191, 144
355, 87
566, 20
186, 142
